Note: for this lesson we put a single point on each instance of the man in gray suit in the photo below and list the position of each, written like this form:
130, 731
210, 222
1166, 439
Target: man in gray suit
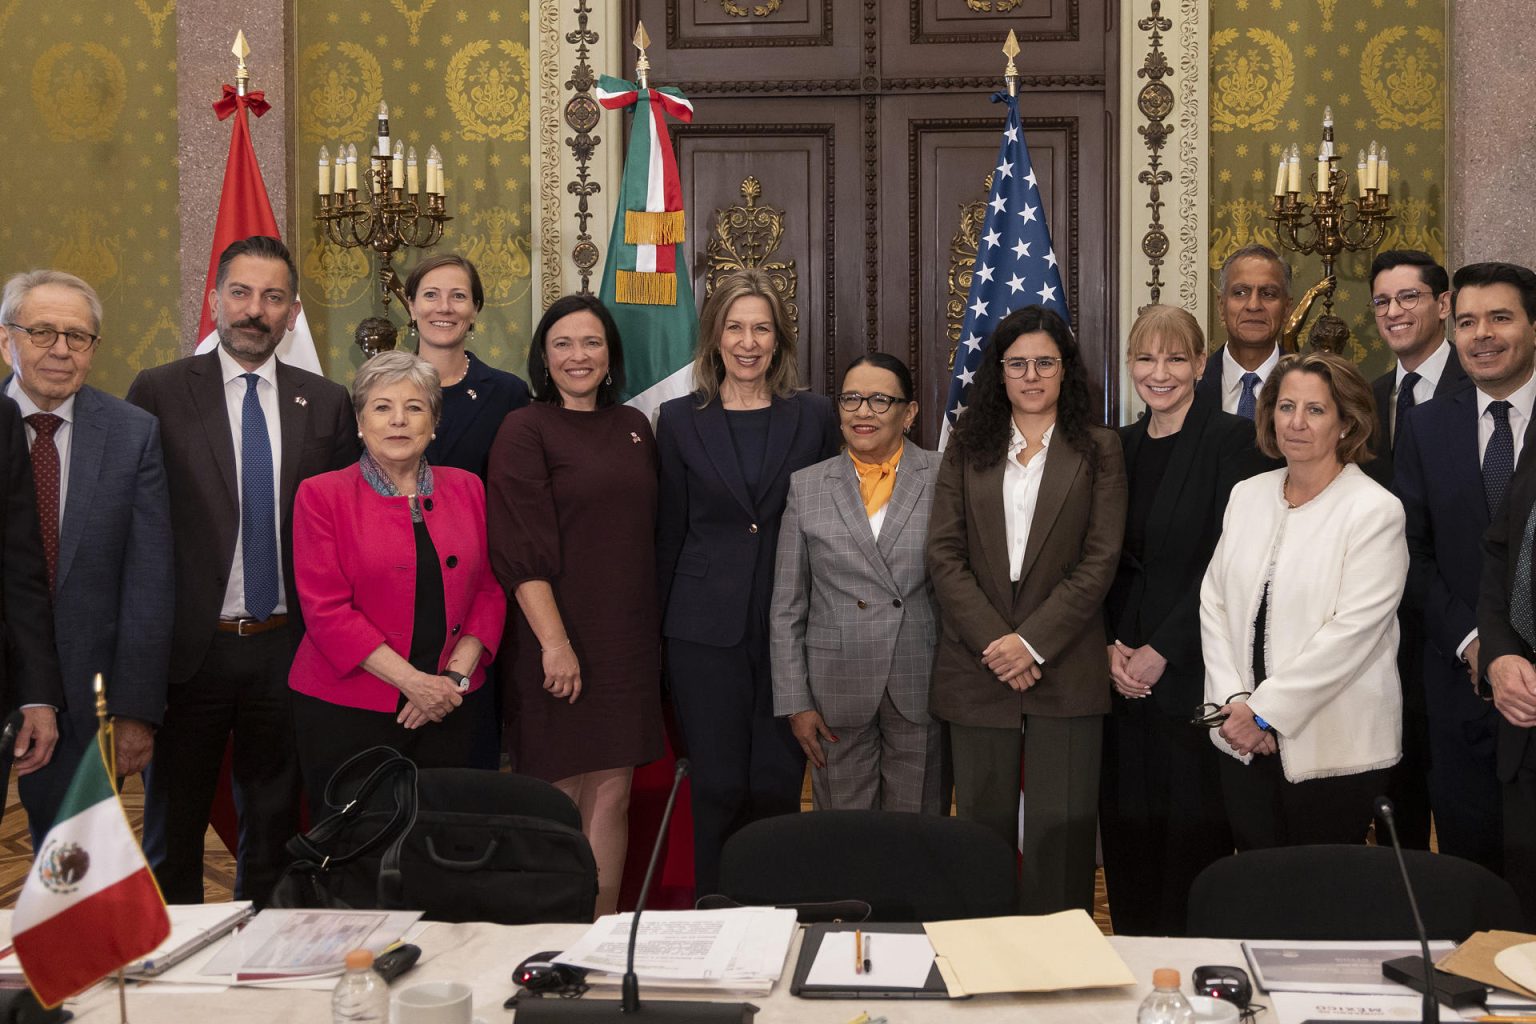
853, 627
105, 518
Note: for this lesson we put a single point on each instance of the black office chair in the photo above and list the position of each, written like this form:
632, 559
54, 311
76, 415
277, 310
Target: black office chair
907, 867
1347, 892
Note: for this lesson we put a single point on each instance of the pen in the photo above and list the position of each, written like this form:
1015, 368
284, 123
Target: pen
867, 943
858, 951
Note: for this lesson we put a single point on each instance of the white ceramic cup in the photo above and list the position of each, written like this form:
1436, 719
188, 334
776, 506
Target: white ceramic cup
433, 1002
1212, 1011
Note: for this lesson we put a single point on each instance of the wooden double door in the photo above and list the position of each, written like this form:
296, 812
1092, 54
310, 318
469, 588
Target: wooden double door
840, 143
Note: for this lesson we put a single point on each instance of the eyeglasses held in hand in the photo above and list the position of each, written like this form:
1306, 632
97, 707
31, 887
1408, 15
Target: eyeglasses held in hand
1018, 366
44, 337
849, 401
1211, 715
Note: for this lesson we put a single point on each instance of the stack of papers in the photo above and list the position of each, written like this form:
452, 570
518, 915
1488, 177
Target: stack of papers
283, 945
741, 949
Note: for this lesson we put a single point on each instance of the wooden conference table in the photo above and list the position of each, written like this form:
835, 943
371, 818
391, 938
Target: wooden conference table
483, 955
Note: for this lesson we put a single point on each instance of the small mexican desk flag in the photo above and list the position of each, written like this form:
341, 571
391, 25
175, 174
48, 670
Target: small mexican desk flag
645, 279
89, 904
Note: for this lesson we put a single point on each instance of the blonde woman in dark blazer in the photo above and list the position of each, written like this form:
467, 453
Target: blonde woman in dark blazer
852, 628
1028, 519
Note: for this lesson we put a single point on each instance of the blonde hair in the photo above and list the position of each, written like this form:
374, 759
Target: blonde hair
1348, 389
709, 369
1175, 328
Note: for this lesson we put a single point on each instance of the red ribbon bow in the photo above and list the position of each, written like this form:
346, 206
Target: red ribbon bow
256, 102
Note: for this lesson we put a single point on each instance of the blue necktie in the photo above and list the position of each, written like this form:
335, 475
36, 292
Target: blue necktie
1245, 400
1499, 458
1405, 401
258, 507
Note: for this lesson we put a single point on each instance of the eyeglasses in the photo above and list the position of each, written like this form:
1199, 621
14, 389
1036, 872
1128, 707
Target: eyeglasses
1017, 367
1406, 300
1210, 715
44, 337
849, 401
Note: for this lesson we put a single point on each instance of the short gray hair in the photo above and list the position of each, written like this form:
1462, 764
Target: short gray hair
1260, 251
388, 368
21, 285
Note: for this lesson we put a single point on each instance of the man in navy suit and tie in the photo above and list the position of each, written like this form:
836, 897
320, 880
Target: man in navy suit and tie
1454, 459
239, 430
1255, 298
105, 526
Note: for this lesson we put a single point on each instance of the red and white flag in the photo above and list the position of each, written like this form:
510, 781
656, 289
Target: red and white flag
245, 210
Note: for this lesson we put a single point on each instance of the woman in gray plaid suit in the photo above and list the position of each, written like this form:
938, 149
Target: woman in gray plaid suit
853, 627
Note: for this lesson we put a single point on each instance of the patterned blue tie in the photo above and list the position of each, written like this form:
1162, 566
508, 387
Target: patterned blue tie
1245, 400
1499, 458
258, 507
1405, 401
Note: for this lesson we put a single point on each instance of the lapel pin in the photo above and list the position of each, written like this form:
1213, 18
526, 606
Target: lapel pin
634, 438
472, 396
300, 400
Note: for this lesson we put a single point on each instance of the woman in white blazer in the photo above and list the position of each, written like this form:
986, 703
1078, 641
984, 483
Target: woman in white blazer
1298, 616
852, 627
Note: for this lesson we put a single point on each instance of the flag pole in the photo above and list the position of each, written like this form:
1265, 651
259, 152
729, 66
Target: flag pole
108, 747
642, 42
1011, 73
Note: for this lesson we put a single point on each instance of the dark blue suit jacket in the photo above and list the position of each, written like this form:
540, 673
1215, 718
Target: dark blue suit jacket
715, 546
1380, 468
464, 439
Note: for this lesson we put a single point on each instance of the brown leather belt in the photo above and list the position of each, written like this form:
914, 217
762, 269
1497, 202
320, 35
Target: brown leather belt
252, 627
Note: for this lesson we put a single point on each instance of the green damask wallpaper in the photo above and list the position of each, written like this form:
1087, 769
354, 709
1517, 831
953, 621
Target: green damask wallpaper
88, 112
456, 75
1275, 65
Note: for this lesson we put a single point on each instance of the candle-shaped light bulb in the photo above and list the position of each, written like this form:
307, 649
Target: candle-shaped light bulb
339, 184
397, 166
412, 176
434, 171
1328, 117
1372, 159
1293, 170
1360, 172
1280, 179
1322, 169
1382, 174
383, 149
352, 166
325, 171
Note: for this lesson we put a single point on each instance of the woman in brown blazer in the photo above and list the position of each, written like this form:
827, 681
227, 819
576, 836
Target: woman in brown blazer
1028, 518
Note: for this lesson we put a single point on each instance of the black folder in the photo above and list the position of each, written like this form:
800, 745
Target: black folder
933, 985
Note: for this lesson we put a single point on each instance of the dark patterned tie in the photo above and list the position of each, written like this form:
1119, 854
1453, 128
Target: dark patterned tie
1405, 401
1499, 458
1520, 604
1245, 402
258, 507
45, 472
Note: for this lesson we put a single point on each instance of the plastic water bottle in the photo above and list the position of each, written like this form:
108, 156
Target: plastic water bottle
1165, 1005
362, 996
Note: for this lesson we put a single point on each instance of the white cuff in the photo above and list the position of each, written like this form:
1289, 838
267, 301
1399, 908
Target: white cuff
1465, 643
1032, 652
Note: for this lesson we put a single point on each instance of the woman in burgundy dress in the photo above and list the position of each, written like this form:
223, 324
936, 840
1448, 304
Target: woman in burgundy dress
571, 518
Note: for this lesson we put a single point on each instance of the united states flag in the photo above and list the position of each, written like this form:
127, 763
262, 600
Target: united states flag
1015, 263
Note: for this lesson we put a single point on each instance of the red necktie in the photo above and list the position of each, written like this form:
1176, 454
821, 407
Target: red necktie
45, 471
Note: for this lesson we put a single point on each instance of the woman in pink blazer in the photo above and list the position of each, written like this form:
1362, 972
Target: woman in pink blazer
401, 610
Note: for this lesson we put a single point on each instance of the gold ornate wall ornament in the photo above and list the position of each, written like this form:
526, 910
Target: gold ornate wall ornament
79, 91
334, 276
89, 251
490, 97
763, 9
748, 236
1155, 101
1414, 230
1326, 8
1238, 223
962, 264
500, 249
992, 6
6, 11
1403, 83
345, 96
159, 344
156, 18
1249, 87
413, 17
582, 115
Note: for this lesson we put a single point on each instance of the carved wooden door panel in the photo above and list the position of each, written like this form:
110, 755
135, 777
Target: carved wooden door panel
842, 140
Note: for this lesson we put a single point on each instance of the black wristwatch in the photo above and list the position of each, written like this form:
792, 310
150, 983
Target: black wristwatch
459, 678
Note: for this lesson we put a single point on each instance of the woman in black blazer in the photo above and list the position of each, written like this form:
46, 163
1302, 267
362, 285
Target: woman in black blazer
1160, 812
727, 452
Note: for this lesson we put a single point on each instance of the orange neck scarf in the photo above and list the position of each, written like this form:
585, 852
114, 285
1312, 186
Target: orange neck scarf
877, 480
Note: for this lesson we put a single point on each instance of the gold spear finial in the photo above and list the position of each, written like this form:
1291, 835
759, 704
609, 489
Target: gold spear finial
1011, 72
642, 43
241, 50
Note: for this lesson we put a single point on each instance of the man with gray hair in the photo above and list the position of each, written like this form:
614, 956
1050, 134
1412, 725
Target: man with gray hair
1255, 298
106, 533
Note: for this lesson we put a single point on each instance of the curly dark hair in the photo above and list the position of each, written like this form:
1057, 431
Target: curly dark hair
981, 434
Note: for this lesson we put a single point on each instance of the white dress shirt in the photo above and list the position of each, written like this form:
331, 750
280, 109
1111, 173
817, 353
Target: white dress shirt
234, 402
1021, 492
1232, 377
1430, 371
61, 436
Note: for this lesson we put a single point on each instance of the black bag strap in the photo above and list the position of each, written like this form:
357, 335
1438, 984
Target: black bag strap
395, 768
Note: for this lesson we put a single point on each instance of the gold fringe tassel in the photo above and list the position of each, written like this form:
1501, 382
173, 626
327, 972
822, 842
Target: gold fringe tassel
643, 227
641, 289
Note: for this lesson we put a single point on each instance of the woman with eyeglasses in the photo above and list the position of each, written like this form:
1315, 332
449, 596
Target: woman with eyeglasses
1028, 518
852, 628
1160, 811
1298, 618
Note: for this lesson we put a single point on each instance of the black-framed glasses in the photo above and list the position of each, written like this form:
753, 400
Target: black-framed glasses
1017, 366
44, 337
1406, 299
849, 401
1211, 716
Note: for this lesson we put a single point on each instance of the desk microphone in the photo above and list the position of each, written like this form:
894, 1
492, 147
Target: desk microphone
629, 1007
1403, 970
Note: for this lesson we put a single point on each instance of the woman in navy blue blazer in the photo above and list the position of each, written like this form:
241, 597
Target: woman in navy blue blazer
727, 452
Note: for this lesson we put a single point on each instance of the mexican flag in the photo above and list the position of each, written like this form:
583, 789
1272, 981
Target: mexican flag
89, 904
645, 279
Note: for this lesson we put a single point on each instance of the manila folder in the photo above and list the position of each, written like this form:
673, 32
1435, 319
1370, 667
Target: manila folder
1025, 954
